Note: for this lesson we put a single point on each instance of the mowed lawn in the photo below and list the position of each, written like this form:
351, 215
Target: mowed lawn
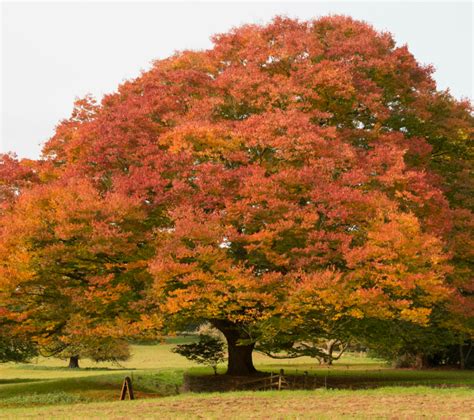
47, 388
392, 402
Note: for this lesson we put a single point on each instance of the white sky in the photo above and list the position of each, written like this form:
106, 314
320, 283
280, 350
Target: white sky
54, 52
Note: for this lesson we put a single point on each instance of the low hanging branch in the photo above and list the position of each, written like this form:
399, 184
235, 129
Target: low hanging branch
312, 349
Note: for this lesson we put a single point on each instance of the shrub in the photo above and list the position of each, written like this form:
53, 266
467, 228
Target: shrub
209, 351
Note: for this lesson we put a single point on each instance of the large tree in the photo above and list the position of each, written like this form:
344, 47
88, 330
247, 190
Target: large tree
300, 187
296, 174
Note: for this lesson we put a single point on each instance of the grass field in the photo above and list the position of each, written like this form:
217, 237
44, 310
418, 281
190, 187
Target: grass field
321, 404
47, 388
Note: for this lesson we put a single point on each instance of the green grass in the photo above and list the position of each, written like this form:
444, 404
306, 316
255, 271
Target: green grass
157, 372
392, 376
320, 404
52, 398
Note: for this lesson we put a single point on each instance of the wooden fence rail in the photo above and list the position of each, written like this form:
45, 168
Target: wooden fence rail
273, 381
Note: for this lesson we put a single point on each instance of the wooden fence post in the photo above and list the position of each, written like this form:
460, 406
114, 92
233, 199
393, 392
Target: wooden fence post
280, 378
127, 389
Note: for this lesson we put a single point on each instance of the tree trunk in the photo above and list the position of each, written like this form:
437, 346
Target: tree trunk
74, 362
462, 363
239, 361
467, 355
330, 350
421, 361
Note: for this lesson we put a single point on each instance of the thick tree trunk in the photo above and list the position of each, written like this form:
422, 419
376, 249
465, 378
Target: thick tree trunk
74, 362
240, 361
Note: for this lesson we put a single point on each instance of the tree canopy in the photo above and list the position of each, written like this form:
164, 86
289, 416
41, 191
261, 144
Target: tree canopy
297, 180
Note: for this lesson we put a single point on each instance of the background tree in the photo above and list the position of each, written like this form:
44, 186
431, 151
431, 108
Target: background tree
208, 350
14, 347
98, 349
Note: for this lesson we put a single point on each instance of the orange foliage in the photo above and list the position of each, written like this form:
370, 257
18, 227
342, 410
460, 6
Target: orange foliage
289, 167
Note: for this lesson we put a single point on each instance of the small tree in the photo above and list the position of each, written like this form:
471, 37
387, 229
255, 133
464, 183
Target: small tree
209, 351
14, 348
98, 349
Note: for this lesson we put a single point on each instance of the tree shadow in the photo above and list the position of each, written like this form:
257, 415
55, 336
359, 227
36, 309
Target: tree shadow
18, 380
67, 369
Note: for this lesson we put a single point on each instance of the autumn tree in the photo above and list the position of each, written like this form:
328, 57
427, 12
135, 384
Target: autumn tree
299, 178
15, 177
70, 269
299, 188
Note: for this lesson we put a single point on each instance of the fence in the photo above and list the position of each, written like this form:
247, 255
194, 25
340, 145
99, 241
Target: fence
279, 381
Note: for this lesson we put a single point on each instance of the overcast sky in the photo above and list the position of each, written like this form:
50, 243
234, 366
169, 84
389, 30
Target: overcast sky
54, 52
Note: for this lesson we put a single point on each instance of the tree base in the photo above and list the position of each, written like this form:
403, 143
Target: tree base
240, 361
